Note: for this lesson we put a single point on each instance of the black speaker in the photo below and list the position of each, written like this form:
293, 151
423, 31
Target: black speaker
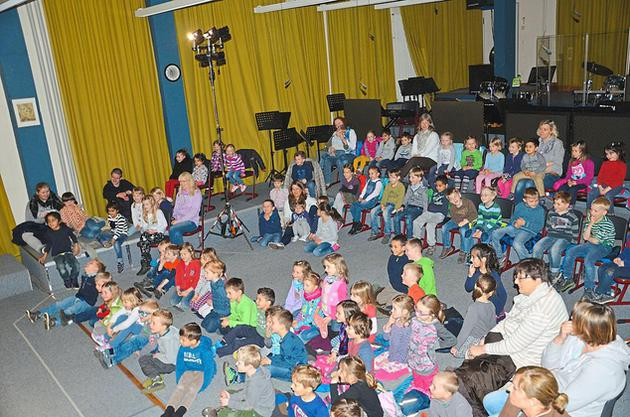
363, 115
598, 131
478, 74
462, 118
524, 125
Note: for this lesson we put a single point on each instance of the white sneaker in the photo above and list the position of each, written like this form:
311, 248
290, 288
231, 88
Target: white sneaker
295, 239
233, 188
243, 187
304, 238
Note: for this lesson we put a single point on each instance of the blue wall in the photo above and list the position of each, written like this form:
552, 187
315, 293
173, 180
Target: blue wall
18, 82
173, 99
505, 39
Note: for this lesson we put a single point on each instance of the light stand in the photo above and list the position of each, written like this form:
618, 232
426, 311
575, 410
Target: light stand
227, 222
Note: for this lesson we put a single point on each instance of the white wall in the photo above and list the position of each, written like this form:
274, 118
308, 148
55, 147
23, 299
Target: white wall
487, 17
534, 18
403, 66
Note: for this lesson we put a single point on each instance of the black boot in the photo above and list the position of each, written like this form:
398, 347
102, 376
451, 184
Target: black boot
180, 412
355, 228
143, 270
169, 412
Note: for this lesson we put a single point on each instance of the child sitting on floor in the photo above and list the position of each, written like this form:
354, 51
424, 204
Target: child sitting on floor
324, 240
359, 329
186, 278
215, 272
161, 352
413, 249
300, 223
423, 341
412, 274
362, 386
165, 273
392, 364
304, 323
131, 299
194, 370
269, 227
334, 290
483, 261
242, 308
305, 402
201, 303
110, 293
93, 278
293, 301
446, 401
362, 293
292, 351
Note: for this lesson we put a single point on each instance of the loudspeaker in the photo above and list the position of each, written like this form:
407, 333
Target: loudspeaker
462, 118
363, 115
478, 74
598, 131
524, 125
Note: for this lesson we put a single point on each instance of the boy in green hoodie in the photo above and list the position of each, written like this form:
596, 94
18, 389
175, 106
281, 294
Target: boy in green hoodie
242, 308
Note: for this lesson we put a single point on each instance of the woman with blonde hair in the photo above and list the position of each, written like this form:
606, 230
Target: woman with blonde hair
535, 393
424, 148
187, 208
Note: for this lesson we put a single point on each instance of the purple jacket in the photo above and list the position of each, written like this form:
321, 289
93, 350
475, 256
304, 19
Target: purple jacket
581, 172
187, 207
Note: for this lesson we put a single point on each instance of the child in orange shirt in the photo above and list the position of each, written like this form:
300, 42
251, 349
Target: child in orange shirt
412, 273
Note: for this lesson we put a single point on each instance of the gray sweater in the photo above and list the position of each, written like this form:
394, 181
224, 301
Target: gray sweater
404, 151
446, 338
386, 150
553, 151
168, 346
416, 196
257, 395
327, 231
480, 319
457, 406
535, 163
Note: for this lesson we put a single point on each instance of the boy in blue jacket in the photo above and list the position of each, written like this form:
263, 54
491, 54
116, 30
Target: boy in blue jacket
194, 369
292, 350
269, 227
526, 222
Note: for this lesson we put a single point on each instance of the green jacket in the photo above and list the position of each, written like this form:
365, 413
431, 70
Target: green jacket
243, 312
427, 282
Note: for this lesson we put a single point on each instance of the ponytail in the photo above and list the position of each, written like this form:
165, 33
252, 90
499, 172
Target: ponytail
539, 383
355, 367
560, 402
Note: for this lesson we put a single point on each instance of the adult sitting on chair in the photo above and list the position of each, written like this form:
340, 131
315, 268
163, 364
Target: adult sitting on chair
424, 148
518, 340
119, 190
186, 210
552, 149
588, 359
340, 149
41, 203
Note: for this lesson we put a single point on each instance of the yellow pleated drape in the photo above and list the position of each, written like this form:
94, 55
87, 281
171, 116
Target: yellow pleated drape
361, 53
108, 78
606, 22
275, 61
7, 223
444, 39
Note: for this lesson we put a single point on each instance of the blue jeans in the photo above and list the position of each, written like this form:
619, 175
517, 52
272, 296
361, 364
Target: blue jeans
279, 372
340, 159
132, 344
356, 208
555, 246
607, 273
212, 322
160, 276
322, 249
311, 189
591, 254
495, 401
183, 301
69, 305
523, 184
120, 338
519, 236
269, 237
387, 219
234, 177
177, 231
92, 228
409, 213
467, 242
108, 235
594, 193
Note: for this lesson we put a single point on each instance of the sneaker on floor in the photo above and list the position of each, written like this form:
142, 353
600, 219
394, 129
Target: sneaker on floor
564, 285
303, 239
446, 252
429, 251
49, 322
373, 237
178, 307
385, 239
158, 293
461, 258
294, 239
147, 382
64, 318
120, 267
33, 315
230, 376
604, 298
243, 187
143, 270
590, 295
276, 245
105, 359
156, 385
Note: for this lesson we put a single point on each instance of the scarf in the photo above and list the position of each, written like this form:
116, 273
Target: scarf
310, 296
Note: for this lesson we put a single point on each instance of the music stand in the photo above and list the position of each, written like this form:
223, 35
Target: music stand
336, 102
319, 134
283, 140
272, 120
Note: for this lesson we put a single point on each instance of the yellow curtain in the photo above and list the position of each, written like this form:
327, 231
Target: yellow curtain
7, 223
275, 61
606, 22
443, 39
361, 53
107, 73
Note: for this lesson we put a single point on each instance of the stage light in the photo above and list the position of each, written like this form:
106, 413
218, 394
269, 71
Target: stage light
213, 35
196, 37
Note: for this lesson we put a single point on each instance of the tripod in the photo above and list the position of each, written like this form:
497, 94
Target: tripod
227, 216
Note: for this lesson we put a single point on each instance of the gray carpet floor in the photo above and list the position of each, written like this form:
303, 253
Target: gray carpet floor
55, 374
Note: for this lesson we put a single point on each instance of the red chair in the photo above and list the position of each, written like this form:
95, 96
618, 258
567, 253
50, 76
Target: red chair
200, 231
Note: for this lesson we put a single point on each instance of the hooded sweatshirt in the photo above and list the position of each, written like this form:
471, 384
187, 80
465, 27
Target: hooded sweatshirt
588, 379
258, 394
199, 358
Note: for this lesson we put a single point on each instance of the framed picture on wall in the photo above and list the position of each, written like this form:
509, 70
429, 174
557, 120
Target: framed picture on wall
25, 111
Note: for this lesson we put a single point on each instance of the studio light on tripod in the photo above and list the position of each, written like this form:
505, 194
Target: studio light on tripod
214, 35
196, 37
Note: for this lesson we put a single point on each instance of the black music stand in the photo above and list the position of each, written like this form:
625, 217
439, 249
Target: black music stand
303, 138
336, 102
283, 140
319, 134
269, 121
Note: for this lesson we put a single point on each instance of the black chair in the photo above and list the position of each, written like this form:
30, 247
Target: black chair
474, 197
507, 208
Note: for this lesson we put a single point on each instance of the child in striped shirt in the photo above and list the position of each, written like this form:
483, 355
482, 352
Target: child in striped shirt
118, 233
235, 168
563, 228
488, 216
599, 238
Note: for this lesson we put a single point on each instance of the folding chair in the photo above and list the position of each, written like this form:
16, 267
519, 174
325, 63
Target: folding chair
507, 241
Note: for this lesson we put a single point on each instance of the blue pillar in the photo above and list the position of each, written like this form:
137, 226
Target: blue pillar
505, 38
166, 51
18, 82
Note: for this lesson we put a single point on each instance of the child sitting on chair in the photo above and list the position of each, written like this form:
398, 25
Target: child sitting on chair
235, 168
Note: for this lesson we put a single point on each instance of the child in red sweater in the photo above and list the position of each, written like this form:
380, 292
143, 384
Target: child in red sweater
611, 174
186, 277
